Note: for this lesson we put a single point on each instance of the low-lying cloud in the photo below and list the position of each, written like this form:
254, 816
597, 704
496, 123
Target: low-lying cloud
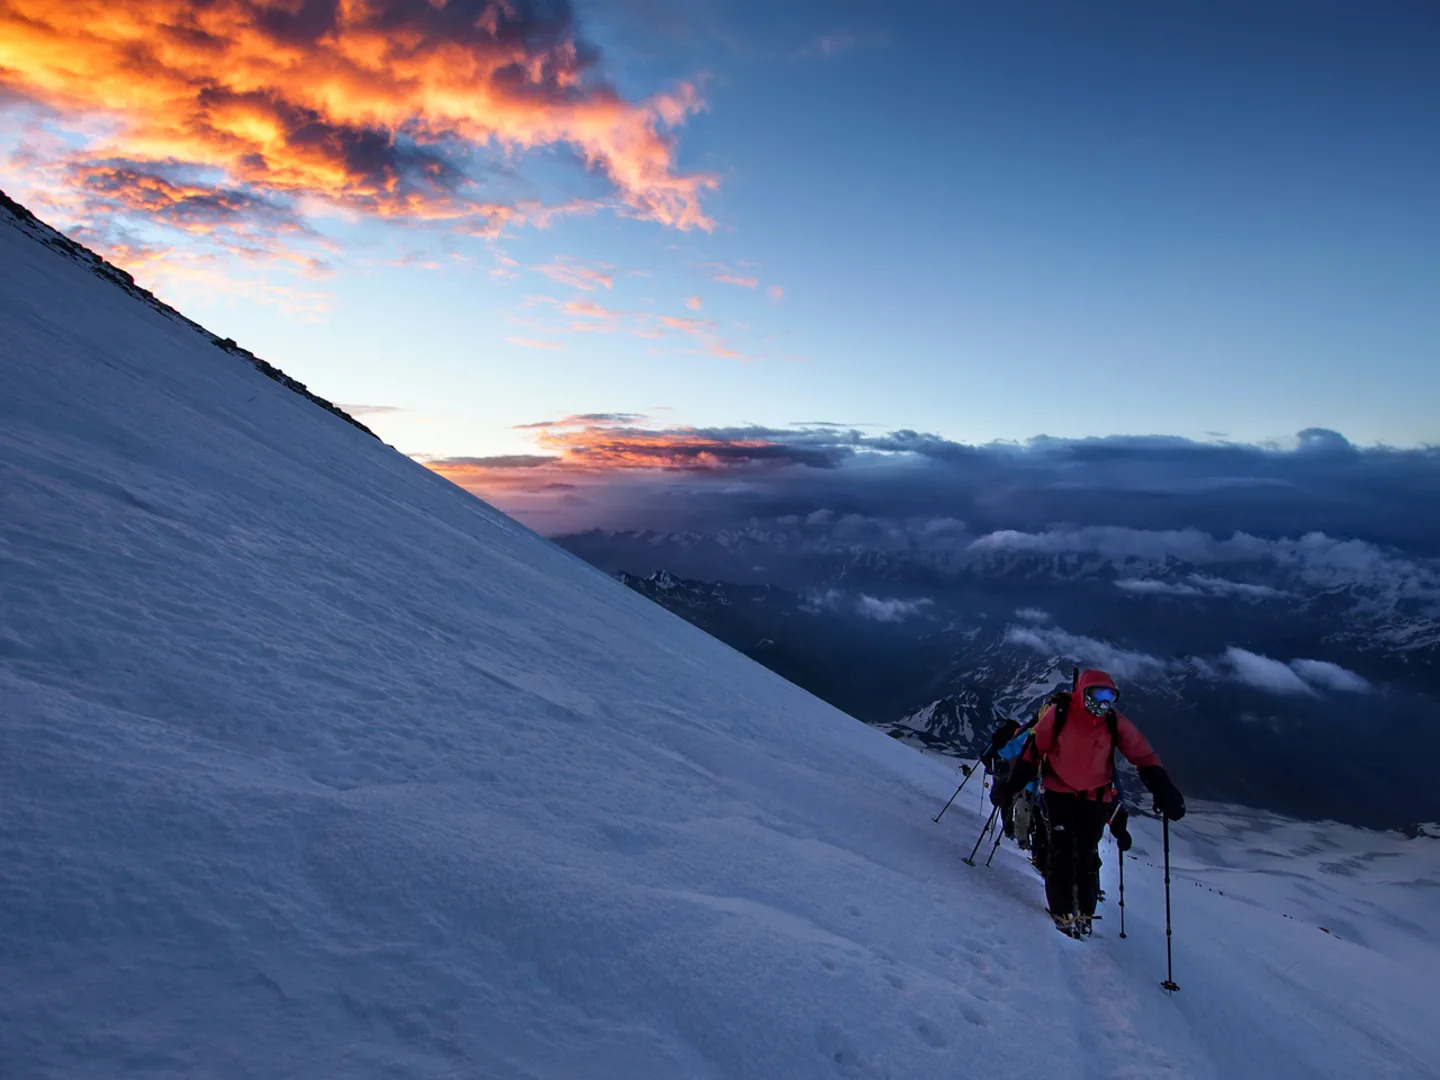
878, 609
1264, 673
1244, 519
1330, 676
1143, 499
1294, 678
1121, 663
1199, 585
890, 610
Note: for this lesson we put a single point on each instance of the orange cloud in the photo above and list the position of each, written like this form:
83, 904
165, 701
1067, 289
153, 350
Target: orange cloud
694, 303
269, 111
676, 448
581, 451
587, 454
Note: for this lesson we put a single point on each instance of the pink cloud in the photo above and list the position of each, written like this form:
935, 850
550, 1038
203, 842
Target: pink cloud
743, 282
568, 270
589, 309
693, 303
583, 315
722, 273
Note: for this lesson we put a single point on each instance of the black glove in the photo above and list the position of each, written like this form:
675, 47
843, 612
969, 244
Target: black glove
999, 793
1168, 800
1119, 829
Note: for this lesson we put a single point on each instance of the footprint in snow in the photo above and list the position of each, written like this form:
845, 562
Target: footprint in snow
895, 980
844, 1055
930, 1033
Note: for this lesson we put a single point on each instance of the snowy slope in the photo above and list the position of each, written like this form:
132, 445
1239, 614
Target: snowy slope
314, 766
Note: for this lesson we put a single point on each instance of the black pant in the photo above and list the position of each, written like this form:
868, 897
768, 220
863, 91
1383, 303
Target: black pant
1072, 876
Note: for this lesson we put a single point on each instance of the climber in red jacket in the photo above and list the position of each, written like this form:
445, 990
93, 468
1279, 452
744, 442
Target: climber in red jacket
1073, 752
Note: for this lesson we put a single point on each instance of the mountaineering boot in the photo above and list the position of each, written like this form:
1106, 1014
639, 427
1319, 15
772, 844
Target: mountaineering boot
1080, 926
1064, 923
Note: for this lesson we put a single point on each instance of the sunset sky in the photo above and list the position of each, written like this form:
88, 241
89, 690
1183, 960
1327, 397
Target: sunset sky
544, 245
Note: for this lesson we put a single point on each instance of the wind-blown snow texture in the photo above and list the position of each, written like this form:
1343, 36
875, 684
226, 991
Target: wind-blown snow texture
315, 766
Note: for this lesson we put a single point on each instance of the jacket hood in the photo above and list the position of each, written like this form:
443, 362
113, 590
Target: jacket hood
1093, 677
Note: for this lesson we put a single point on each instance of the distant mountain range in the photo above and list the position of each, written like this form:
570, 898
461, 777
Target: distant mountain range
1299, 680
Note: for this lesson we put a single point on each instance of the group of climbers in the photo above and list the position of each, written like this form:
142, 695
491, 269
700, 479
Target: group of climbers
1055, 787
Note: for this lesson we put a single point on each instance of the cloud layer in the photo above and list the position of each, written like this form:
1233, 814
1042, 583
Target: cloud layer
878, 609
1360, 525
1121, 663
1120, 498
1298, 677
890, 610
1264, 673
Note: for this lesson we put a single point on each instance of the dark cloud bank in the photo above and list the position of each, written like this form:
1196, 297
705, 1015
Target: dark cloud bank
1321, 484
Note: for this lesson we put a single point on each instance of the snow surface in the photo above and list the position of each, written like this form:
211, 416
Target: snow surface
314, 766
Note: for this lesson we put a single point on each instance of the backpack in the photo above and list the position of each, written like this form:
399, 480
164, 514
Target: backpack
1007, 730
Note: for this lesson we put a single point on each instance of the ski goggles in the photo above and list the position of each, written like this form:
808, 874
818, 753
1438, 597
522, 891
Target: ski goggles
1103, 695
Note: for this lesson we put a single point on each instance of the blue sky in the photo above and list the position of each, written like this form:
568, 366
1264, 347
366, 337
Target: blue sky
981, 221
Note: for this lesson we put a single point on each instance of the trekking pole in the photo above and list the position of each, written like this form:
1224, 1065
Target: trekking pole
1122, 890
1169, 983
970, 860
969, 772
996, 846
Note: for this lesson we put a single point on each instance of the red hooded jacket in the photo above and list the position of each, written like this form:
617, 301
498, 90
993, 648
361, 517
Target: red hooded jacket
1083, 760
